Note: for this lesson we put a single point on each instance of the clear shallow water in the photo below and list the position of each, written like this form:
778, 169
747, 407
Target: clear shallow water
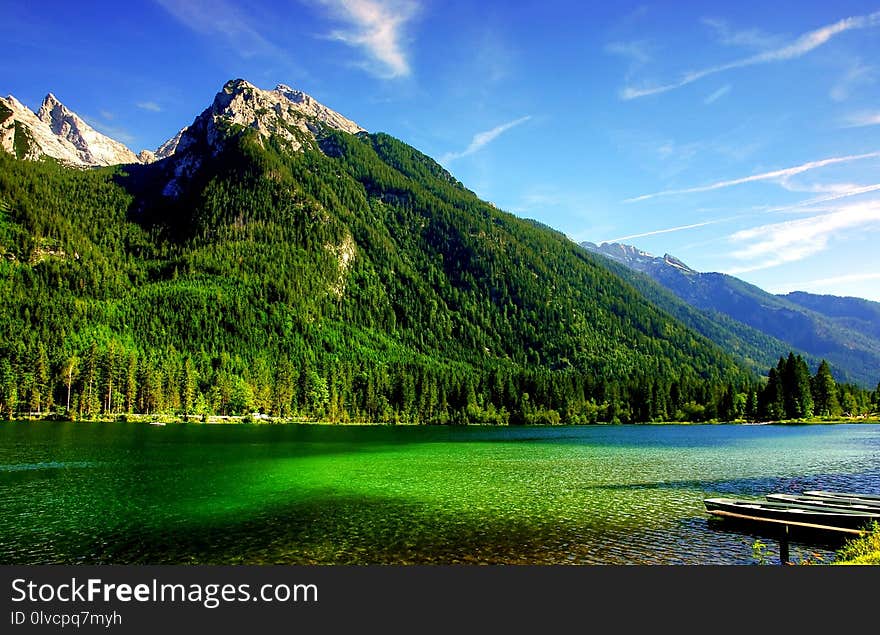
129, 493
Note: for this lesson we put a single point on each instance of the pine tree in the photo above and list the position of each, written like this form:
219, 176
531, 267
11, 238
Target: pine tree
70, 366
189, 388
131, 382
42, 388
772, 401
752, 405
797, 398
824, 391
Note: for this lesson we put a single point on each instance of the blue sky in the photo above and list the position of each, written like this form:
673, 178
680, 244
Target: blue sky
741, 137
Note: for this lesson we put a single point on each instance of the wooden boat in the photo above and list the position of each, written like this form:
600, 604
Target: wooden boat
855, 504
824, 494
833, 517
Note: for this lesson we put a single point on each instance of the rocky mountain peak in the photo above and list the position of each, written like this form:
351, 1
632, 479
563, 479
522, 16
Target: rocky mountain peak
277, 111
287, 115
672, 261
50, 102
92, 147
146, 156
24, 135
635, 258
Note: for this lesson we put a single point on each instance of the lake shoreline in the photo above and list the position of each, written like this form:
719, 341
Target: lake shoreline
261, 419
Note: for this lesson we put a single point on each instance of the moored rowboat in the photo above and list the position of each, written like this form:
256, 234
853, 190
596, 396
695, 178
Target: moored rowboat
794, 512
854, 504
824, 494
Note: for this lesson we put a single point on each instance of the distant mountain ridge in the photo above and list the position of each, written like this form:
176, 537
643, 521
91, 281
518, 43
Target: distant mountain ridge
57, 132
283, 259
275, 256
92, 147
845, 331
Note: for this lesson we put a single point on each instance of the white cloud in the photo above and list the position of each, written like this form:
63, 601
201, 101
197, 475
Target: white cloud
377, 27
836, 194
862, 119
778, 243
636, 51
801, 46
481, 139
856, 75
152, 106
221, 18
818, 188
667, 231
747, 38
718, 94
831, 282
775, 175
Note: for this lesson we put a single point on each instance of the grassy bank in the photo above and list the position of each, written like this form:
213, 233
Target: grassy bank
864, 550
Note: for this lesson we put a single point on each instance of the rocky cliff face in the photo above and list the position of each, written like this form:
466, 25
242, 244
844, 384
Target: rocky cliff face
24, 135
57, 132
92, 147
635, 258
290, 116
169, 147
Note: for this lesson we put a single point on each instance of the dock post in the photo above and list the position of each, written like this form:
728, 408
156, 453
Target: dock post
783, 545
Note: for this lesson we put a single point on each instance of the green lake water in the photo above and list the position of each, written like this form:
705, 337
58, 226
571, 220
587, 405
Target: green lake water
249, 494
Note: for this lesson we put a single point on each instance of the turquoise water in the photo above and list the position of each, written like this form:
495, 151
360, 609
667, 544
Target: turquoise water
133, 493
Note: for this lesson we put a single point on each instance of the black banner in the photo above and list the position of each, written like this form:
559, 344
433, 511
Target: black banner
171, 599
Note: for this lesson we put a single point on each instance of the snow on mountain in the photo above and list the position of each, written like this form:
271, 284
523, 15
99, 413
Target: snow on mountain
309, 106
57, 132
281, 112
170, 147
92, 147
290, 116
24, 135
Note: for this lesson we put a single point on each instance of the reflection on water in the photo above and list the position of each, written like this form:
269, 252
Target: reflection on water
126, 493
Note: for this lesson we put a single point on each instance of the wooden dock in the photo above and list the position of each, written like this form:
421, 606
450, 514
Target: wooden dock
785, 526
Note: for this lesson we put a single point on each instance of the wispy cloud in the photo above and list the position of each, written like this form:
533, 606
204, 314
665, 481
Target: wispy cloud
223, 19
858, 74
716, 95
152, 106
766, 176
861, 119
746, 38
854, 191
378, 27
636, 51
818, 188
831, 282
799, 47
481, 139
778, 243
668, 230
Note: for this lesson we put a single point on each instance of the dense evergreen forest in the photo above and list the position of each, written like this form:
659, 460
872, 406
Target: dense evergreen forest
354, 281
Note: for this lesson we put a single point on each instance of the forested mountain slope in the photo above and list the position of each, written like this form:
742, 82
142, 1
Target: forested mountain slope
285, 265
843, 331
